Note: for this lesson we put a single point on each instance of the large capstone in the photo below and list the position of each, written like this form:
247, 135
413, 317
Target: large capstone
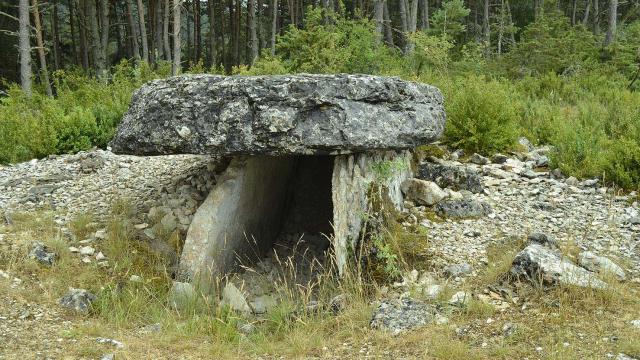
279, 115
304, 152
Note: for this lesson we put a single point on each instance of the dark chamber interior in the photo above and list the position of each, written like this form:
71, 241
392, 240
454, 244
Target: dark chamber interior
306, 210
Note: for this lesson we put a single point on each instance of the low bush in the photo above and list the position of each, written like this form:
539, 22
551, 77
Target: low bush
482, 114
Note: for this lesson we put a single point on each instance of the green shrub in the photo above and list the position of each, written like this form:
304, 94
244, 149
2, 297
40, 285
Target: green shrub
482, 115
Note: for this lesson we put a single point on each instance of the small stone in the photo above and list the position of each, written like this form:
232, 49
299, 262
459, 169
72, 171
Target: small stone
74, 249
135, 278
100, 256
236, 300
141, 226
526, 144
101, 234
572, 181
113, 342
40, 253
499, 159
86, 260
635, 323
397, 316
459, 209
108, 357
432, 291
338, 303
262, 304
457, 270
78, 300
87, 250
543, 239
461, 298
422, 192
478, 159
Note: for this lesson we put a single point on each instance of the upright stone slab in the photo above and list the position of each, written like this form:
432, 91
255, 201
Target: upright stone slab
361, 124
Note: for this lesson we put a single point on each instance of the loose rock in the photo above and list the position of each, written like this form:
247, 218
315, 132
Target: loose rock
78, 300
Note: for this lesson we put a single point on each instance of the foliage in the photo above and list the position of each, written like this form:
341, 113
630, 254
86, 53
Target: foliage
430, 54
338, 46
84, 113
482, 114
449, 20
552, 44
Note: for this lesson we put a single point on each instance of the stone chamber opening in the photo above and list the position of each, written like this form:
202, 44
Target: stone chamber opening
303, 227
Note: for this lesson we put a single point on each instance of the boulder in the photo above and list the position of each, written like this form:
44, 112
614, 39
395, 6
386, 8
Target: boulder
541, 264
600, 264
279, 115
452, 176
422, 192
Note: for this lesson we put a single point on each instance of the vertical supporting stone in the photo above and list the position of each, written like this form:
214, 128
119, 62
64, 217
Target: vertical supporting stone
247, 202
352, 177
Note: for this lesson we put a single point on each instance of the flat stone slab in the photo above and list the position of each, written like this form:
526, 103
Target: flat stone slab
279, 115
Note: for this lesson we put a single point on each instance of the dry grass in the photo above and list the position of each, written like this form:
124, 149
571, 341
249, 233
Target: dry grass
565, 322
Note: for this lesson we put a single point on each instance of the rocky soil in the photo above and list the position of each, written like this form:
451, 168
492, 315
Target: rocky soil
461, 205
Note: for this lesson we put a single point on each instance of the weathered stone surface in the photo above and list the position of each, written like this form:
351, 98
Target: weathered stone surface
423, 192
542, 265
352, 175
78, 300
601, 264
279, 115
41, 253
465, 208
400, 315
240, 218
453, 176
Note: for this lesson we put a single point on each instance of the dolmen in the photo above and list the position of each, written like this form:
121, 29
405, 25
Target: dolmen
302, 147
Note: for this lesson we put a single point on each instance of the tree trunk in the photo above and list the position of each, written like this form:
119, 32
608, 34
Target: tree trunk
596, 14
403, 15
96, 51
197, 31
587, 8
24, 47
274, 26
501, 27
165, 30
143, 32
133, 32
486, 32
574, 11
158, 31
72, 27
212, 34
379, 18
104, 34
236, 44
84, 48
388, 31
253, 35
413, 16
55, 35
176, 67
424, 15
613, 22
44, 73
